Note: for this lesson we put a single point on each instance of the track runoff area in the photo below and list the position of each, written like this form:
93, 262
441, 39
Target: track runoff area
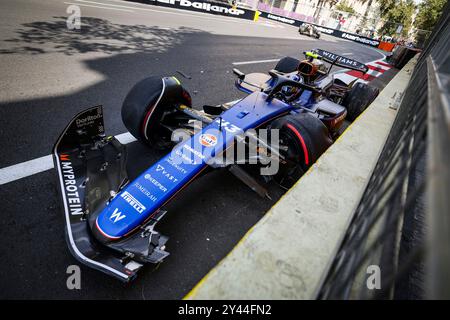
198, 239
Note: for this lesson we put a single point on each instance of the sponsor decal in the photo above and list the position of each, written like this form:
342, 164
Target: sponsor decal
196, 152
360, 39
282, 19
132, 201
144, 190
155, 182
203, 6
342, 60
208, 140
70, 186
175, 165
184, 157
162, 170
88, 120
325, 30
116, 216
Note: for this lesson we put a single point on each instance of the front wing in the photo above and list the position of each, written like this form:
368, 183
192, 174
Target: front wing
90, 165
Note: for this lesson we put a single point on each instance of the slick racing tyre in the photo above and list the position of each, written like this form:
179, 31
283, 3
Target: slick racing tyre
303, 139
150, 110
358, 99
287, 65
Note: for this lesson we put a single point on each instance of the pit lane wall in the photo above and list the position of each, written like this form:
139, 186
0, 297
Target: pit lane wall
216, 8
288, 253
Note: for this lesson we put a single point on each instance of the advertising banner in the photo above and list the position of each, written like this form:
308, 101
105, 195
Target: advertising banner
217, 8
324, 30
224, 9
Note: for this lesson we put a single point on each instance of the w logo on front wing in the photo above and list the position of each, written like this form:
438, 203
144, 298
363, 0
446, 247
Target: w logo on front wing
116, 216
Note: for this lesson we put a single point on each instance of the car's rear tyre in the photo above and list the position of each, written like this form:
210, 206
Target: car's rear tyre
151, 106
306, 139
287, 65
358, 99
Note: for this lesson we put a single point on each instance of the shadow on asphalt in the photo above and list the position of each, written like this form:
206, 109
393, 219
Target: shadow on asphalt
203, 223
95, 35
127, 55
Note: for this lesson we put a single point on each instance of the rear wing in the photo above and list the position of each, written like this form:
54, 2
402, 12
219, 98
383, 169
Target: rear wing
341, 61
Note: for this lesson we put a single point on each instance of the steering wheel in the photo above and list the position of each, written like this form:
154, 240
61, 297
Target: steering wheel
282, 81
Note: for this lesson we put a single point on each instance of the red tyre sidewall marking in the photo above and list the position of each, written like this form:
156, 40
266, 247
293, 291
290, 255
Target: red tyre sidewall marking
146, 119
152, 109
302, 142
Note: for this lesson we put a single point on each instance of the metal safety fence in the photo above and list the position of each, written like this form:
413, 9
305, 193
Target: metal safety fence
396, 246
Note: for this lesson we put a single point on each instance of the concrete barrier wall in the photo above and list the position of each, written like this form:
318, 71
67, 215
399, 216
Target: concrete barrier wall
287, 254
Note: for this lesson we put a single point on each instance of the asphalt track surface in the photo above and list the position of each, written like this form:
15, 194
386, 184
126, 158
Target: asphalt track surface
50, 73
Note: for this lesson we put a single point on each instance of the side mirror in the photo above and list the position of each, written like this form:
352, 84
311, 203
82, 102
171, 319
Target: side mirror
239, 73
213, 110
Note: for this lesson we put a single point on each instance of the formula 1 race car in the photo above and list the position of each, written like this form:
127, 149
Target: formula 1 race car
309, 30
110, 220
328, 94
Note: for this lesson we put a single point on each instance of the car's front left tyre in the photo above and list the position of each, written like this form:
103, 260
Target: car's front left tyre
151, 109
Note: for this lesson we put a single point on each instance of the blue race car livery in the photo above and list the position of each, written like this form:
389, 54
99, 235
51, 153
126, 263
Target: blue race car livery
110, 219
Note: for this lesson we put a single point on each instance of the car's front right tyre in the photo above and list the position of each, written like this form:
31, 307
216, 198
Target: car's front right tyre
303, 139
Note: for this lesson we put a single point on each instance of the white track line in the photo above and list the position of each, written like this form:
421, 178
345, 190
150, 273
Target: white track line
148, 8
31, 167
25, 169
101, 7
254, 61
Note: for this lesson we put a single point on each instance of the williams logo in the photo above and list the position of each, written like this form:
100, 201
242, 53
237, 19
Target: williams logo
116, 216
208, 140
139, 207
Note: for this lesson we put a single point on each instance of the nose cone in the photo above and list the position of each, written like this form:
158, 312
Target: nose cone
113, 223
103, 235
